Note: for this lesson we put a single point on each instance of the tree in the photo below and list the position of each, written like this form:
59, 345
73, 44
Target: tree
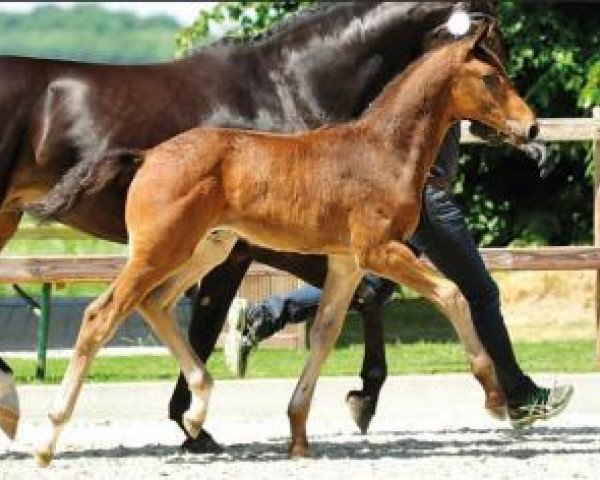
87, 32
241, 19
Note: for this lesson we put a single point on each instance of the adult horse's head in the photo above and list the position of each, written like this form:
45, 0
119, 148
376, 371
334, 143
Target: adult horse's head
482, 91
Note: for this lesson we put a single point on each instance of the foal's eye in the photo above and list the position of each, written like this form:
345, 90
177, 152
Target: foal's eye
492, 81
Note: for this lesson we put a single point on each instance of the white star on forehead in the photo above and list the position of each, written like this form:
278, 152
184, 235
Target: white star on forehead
459, 23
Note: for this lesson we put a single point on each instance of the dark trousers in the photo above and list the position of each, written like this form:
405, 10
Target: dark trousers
443, 236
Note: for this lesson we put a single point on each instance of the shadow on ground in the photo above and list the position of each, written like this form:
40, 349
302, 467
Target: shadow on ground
463, 442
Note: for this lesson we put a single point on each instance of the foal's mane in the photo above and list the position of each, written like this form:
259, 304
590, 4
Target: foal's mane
438, 72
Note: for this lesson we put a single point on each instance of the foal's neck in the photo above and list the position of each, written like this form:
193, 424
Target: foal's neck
413, 114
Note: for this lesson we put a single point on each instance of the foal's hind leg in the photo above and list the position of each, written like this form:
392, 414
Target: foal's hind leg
100, 321
342, 279
397, 262
157, 309
9, 400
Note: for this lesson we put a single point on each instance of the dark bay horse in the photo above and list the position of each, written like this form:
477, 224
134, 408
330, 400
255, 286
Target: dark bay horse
351, 192
323, 66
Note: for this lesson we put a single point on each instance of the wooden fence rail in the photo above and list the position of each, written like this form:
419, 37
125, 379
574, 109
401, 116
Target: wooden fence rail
49, 270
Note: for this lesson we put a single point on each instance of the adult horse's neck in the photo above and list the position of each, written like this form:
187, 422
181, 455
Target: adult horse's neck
413, 112
361, 45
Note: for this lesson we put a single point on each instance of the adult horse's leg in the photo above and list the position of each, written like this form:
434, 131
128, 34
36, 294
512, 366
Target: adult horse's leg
362, 403
211, 303
9, 400
342, 279
396, 261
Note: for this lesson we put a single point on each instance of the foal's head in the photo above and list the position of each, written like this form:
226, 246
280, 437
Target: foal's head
482, 91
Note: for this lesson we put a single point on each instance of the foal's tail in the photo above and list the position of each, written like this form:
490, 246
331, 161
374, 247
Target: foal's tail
85, 178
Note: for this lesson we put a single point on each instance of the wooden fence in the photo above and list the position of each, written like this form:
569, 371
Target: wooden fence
263, 281
559, 258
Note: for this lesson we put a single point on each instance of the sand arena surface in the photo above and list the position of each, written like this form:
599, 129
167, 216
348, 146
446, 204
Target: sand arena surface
427, 427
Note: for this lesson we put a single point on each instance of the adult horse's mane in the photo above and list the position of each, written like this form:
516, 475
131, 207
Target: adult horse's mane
309, 13
290, 21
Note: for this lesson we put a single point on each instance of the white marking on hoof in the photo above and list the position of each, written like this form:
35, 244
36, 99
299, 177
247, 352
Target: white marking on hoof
192, 426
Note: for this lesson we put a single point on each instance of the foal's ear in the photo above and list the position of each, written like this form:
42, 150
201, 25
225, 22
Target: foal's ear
470, 42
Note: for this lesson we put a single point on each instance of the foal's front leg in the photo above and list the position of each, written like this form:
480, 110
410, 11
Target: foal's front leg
342, 279
313, 269
157, 309
397, 262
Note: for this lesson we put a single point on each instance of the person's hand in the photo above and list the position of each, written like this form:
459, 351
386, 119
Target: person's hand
538, 152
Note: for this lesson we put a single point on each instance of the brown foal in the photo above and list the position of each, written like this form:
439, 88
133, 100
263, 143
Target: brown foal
350, 191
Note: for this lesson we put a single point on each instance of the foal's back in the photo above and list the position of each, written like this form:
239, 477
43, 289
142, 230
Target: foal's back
298, 191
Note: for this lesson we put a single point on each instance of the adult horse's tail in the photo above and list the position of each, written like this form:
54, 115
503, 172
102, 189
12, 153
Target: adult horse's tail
85, 178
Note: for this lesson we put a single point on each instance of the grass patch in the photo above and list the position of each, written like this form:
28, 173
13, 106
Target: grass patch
415, 358
418, 340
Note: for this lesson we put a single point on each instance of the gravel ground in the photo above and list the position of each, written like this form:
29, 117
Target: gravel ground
427, 427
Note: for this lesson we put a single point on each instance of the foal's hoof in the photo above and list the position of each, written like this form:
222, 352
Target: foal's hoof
9, 405
193, 427
9, 421
43, 459
299, 450
362, 408
498, 411
495, 405
204, 443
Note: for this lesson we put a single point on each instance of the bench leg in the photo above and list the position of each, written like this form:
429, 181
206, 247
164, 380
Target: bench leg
42, 330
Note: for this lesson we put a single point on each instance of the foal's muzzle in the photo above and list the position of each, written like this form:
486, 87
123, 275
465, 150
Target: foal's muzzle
533, 131
523, 131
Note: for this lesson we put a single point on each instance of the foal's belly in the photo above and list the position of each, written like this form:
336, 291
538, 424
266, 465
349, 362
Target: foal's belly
296, 240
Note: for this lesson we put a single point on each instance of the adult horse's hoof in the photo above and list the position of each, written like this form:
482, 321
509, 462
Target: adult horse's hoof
362, 408
9, 405
204, 443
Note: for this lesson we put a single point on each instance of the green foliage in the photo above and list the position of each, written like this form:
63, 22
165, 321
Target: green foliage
235, 19
87, 32
554, 51
590, 94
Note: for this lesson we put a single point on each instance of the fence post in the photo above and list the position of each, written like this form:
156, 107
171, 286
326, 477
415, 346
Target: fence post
596, 152
42, 330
